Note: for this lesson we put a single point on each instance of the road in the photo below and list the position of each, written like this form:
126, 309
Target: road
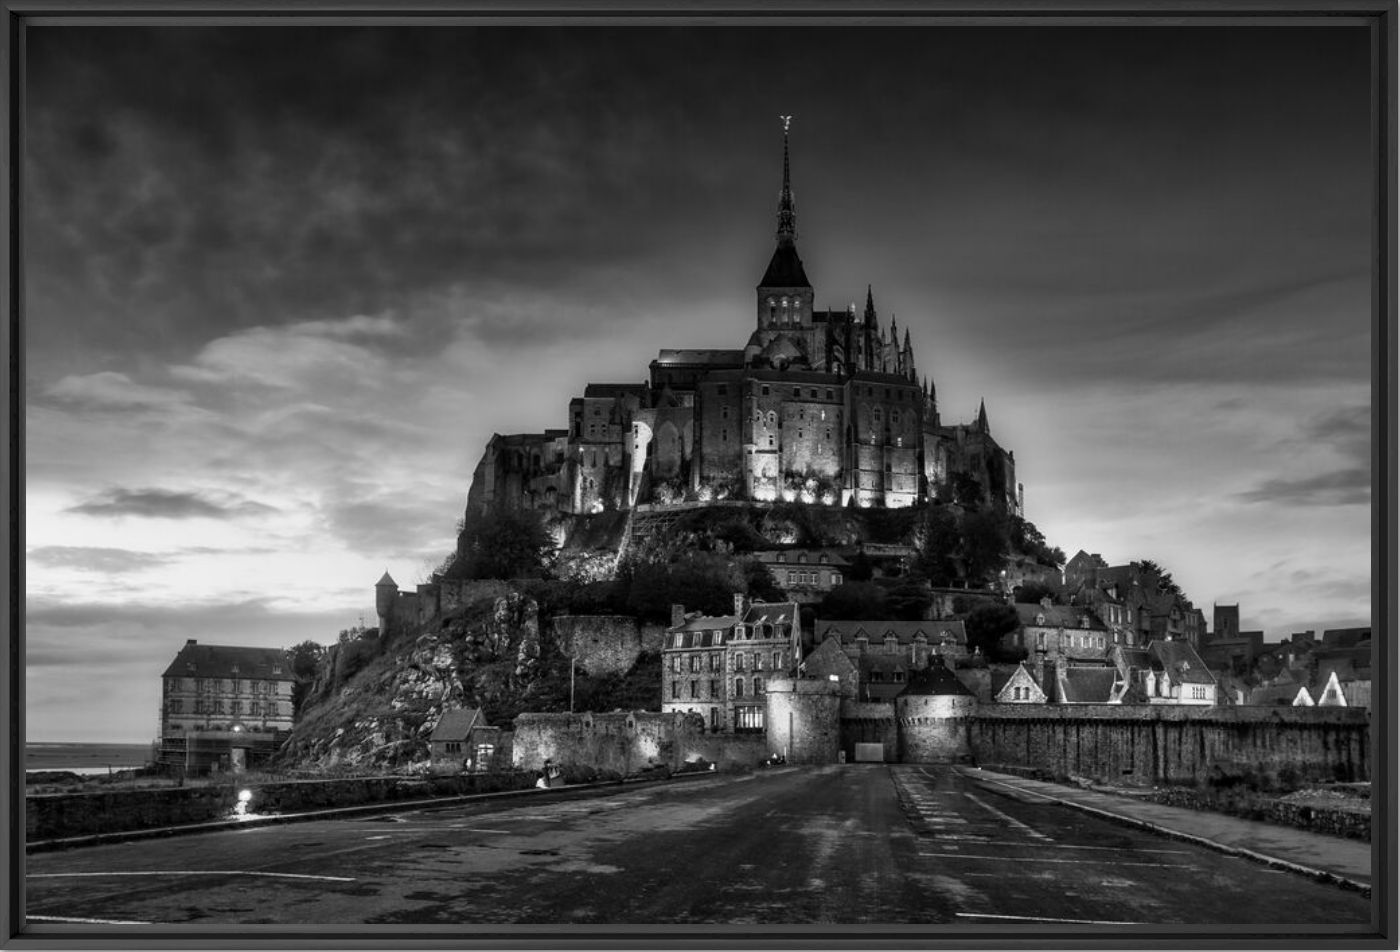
840, 844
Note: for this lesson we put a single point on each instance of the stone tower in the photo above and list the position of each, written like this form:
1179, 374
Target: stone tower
784, 294
386, 593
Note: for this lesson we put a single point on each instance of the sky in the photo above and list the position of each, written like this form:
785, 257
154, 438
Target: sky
281, 285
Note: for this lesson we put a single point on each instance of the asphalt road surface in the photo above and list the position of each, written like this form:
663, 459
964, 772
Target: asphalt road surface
840, 844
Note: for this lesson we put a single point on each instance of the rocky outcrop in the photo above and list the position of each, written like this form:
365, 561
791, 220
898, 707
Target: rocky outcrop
379, 711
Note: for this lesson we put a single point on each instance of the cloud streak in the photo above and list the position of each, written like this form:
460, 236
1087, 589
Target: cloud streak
169, 504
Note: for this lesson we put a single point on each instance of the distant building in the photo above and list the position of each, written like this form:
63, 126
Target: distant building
224, 707
804, 575
917, 641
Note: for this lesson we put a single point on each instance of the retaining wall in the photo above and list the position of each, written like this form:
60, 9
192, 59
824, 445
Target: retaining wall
57, 815
869, 723
627, 742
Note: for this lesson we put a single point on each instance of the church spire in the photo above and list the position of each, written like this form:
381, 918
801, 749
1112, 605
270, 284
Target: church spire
982, 417
787, 214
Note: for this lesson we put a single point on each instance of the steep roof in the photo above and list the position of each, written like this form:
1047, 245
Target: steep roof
1180, 660
785, 269
734, 358
1058, 616
457, 724
1086, 685
936, 679
771, 613
801, 557
905, 632
228, 661
613, 390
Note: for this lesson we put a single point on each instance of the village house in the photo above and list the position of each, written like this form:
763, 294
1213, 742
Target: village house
224, 707
1016, 687
462, 740
915, 640
804, 575
1053, 633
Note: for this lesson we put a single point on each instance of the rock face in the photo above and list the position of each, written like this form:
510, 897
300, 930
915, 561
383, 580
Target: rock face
374, 705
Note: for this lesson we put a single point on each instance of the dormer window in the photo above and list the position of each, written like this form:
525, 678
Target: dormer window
1040, 619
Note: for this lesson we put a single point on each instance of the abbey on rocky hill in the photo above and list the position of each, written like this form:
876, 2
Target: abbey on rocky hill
818, 407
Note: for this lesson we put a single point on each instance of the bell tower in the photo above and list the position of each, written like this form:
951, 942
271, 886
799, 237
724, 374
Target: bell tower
785, 295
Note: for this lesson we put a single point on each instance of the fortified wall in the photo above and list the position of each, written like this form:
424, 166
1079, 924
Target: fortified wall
1163, 744
811, 722
626, 742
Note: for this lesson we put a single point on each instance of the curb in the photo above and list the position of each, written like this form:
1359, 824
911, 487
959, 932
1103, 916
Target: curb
1272, 861
582, 791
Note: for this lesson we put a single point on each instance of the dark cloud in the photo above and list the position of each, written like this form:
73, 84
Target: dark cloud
1343, 487
96, 559
167, 504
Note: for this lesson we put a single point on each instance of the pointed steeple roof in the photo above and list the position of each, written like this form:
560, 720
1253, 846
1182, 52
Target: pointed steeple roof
386, 580
785, 269
869, 305
982, 417
907, 345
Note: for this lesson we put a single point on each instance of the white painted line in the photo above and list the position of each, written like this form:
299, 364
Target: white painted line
1088, 922
1043, 859
1035, 834
382, 836
196, 872
96, 922
1121, 849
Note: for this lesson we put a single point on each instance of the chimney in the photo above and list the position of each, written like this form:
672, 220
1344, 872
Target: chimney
191, 642
677, 616
739, 604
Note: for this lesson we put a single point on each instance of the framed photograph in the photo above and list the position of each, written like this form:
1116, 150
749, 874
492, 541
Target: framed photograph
610, 477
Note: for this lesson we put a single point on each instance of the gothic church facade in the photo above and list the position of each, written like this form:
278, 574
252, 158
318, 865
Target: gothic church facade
819, 406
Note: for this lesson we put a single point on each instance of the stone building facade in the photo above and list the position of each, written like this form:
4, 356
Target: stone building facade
718, 667
224, 706
819, 406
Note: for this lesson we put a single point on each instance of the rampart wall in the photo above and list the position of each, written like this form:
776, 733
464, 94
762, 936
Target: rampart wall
627, 742
1161, 744
869, 723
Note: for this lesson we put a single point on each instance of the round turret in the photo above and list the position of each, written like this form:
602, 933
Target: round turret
386, 592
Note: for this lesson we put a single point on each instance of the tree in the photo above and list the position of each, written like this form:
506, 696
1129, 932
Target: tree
967, 491
1164, 582
759, 582
701, 581
984, 544
1029, 593
861, 569
303, 661
853, 600
942, 540
987, 624
503, 543
909, 600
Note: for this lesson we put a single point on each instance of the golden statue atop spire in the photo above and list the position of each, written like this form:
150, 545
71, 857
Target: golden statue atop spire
787, 121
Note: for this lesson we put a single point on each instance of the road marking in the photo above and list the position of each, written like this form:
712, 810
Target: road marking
1036, 834
384, 836
1089, 922
191, 872
1044, 859
98, 922
1121, 849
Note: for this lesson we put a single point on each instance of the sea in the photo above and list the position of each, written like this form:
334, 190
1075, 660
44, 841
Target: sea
85, 759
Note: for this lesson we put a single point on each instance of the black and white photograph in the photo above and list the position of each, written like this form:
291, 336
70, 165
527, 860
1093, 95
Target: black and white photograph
911, 478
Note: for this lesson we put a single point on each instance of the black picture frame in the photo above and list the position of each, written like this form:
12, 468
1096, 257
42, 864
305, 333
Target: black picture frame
1381, 15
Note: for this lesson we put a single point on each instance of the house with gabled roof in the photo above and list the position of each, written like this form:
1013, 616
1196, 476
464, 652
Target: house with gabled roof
1178, 675
462, 740
1016, 687
1053, 633
827, 662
